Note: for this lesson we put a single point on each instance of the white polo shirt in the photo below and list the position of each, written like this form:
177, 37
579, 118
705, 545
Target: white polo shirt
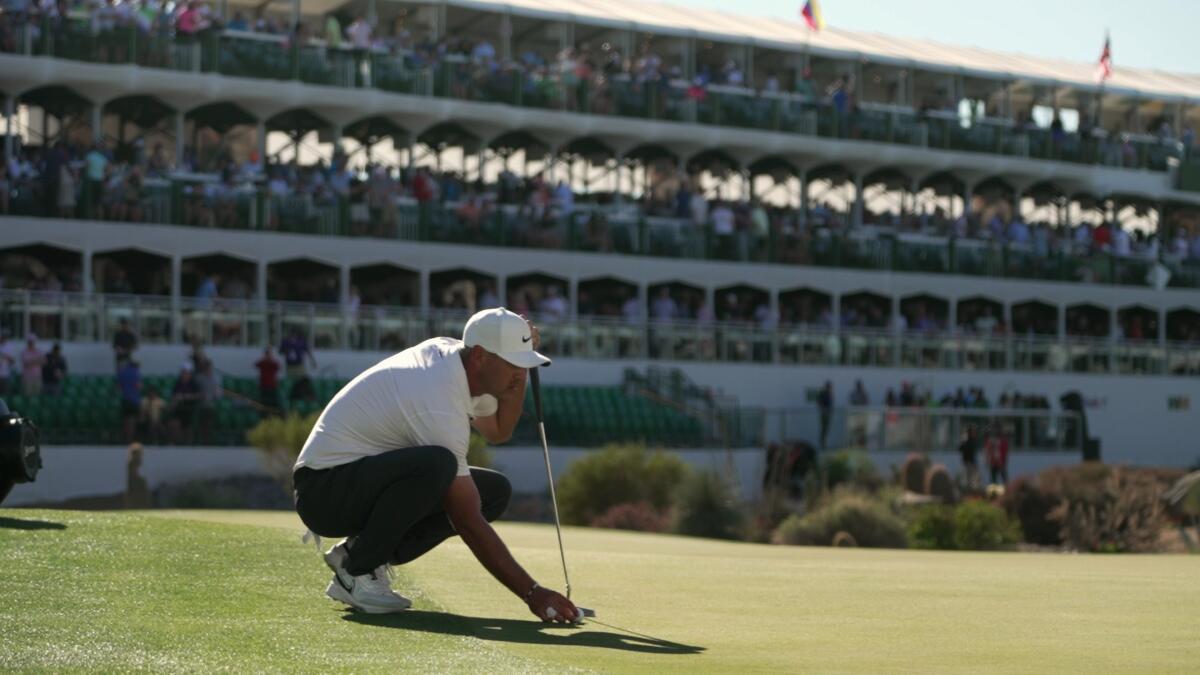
417, 397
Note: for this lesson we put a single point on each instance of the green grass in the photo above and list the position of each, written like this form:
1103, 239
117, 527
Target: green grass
236, 591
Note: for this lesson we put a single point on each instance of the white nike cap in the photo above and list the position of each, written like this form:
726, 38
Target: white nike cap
504, 334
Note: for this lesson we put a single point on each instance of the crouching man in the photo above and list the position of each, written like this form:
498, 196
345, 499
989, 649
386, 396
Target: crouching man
386, 464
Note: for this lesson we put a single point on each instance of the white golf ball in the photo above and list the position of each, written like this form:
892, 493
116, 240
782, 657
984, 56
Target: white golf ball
550, 613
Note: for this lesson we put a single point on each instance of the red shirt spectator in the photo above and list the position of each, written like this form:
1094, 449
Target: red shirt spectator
268, 371
422, 187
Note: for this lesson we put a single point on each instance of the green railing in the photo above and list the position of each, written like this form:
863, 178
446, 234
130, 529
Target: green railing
77, 317
242, 54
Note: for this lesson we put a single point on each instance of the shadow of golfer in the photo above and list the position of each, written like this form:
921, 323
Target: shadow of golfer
513, 630
19, 524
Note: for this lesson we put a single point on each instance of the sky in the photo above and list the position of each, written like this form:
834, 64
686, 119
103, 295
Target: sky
1161, 34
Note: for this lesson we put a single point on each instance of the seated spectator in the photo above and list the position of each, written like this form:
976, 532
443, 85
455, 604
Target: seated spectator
151, 417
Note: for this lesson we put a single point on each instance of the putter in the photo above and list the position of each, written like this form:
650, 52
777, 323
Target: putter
535, 382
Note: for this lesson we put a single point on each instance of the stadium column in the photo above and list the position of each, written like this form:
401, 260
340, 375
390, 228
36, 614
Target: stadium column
260, 283
179, 138
573, 297
97, 121
506, 36
423, 291
88, 283
858, 199
1162, 326
803, 178
618, 196
9, 116
967, 196
176, 290
260, 131
344, 299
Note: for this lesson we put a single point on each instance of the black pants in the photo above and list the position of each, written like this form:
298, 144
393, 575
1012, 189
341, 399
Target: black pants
391, 503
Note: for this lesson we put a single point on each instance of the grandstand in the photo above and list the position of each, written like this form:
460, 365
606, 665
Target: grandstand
657, 186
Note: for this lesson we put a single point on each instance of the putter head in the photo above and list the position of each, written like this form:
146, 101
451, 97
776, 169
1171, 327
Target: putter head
584, 613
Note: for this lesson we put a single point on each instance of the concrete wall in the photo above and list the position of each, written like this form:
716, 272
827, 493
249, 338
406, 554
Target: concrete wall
82, 471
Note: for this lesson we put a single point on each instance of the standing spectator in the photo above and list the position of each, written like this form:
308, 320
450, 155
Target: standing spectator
723, 230
296, 353
553, 307
124, 342
825, 409
6, 365
488, 298
184, 400
969, 449
359, 33
207, 291
664, 307
54, 371
32, 360
96, 162
997, 454
268, 379
150, 418
859, 395
129, 384
208, 381
66, 198
333, 31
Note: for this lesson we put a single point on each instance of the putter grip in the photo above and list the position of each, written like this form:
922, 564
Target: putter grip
535, 382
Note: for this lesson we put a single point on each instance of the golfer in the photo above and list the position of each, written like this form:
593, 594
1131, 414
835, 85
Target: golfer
386, 464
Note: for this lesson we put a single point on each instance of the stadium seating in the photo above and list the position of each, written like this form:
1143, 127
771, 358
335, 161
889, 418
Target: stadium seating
87, 412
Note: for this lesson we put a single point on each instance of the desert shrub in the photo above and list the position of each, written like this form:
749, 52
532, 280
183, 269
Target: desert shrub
618, 474
706, 507
851, 467
932, 527
1091, 506
1123, 514
939, 483
766, 515
868, 520
279, 441
912, 472
1031, 506
981, 526
640, 516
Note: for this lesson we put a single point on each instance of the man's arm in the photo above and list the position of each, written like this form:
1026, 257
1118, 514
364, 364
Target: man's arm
463, 508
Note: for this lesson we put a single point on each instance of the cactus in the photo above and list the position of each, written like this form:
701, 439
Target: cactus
912, 473
939, 483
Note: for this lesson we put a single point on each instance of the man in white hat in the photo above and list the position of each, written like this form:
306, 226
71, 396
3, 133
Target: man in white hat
386, 464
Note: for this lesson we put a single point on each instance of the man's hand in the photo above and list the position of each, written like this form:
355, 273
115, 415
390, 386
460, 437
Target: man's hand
533, 331
543, 600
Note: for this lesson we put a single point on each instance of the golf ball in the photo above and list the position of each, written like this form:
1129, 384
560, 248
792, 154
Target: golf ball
550, 613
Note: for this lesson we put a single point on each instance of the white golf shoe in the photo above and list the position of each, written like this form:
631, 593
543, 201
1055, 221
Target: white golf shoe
371, 592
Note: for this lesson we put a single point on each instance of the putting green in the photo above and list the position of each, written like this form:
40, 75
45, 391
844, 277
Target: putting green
237, 591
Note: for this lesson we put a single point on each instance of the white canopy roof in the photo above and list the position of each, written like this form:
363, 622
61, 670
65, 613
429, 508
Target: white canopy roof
660, 18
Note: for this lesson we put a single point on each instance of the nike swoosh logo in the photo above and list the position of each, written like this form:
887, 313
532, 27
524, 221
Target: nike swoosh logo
526, 339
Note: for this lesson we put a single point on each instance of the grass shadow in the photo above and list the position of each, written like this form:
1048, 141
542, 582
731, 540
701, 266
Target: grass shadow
528, 632
21, 524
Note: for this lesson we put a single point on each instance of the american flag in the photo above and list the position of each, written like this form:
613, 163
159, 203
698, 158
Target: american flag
1104, 67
